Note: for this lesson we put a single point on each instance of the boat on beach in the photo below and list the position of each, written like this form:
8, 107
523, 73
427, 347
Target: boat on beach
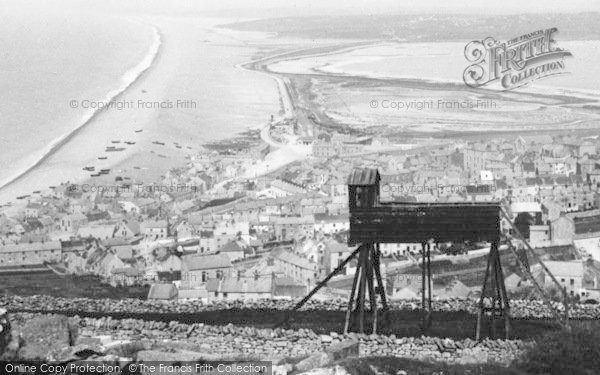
102, 158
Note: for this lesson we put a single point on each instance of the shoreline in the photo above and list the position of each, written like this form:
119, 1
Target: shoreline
142, 69
577, 100
294, 99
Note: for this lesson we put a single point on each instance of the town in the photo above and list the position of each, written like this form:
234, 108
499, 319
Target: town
203, 232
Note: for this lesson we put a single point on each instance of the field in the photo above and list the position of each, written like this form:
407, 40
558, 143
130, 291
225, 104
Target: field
48, 283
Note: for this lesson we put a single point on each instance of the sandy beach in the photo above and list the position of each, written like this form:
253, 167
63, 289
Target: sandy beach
182, 98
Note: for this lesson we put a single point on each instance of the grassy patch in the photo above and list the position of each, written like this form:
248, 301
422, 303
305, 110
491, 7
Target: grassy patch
392, 365
70, 286
574, 353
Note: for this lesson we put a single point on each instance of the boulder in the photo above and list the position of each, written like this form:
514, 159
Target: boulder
43, 335
5, 335
326, 338
174, 356
345, 349
313, 361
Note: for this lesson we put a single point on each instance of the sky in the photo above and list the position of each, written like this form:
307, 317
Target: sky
282, 8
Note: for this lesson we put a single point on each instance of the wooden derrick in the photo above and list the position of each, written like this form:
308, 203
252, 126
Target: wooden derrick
373, 222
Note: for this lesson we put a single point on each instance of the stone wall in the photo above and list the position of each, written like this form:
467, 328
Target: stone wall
231, 341
519, 308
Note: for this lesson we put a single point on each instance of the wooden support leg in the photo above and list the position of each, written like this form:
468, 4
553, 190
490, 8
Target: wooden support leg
494, 292
361, 292
504, 297
429, 287
482, 298
352, 293
424, 291
372, 297
380, 286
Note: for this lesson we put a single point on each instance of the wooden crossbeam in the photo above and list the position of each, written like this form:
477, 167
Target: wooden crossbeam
320, 285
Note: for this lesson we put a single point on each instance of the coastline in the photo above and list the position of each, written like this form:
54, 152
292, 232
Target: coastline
137, 73
542, 96
294, 93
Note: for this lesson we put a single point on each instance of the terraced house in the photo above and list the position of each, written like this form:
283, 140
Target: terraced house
30, 254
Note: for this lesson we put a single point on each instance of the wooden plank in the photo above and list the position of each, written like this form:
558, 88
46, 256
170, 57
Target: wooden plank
416, 237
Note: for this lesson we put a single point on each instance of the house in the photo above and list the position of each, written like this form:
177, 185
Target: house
71, 222
163, 292
233, 250
406, 291
569, 274
330, 224
154, 229
184, 230
98, 231
106, 263
335, 253
322, 149
207, 242
26, 254
123, 252
285, 188
525, 207
293, 227
125, 276
198, 269
32, 210
127, 229
475, 160
539, 235
129, 207
575, 225
524, 142
240, 288
170, 263
253, 288
455, 289
294, 266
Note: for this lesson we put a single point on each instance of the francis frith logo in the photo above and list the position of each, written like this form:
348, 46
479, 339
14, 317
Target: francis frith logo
516, 62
